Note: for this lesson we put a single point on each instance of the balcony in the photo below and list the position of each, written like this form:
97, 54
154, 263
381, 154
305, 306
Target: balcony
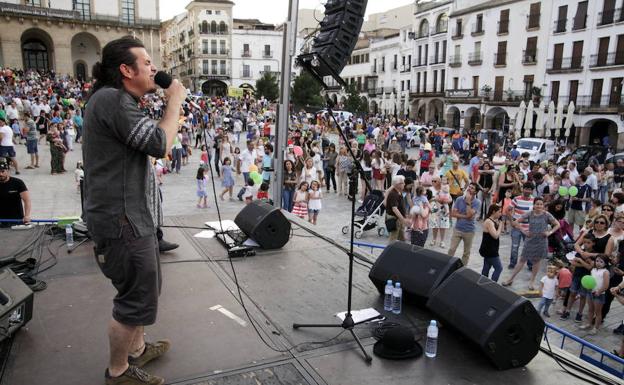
372, 92
406, 67
475, 59
503, 27
457, 33
610, 17
477, 29
580, 23
421, 35
414, 91
442, 28
455, 61
529, 57
245, 53
608, 60
267, 54
421, 63
596, 103
246, 74
533, 22
560, 26
509, 96
500, 59
435, 59
565, 65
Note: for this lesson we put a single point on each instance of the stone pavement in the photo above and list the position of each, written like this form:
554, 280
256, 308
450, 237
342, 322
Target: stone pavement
57, 195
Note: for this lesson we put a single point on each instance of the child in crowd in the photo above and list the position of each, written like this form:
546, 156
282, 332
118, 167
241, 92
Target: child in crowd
78, 175
506, 218
548, 290
237, 162
564, 275
314, 201
263, 192
202, 193
597, 297
582, 266
445, 194
300, 206
228, 179
249, 191
203, 158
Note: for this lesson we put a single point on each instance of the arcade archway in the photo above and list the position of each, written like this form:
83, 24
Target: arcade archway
214, 88
37, 50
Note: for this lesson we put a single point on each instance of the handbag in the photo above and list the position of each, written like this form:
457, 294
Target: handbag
391, 223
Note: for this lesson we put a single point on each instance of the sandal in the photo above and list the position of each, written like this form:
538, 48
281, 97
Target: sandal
507, 283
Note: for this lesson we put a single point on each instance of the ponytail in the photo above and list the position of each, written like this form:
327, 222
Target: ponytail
117, 52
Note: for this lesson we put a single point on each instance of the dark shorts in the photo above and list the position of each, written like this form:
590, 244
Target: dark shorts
578, 288
133, 266
7, 152
31, 146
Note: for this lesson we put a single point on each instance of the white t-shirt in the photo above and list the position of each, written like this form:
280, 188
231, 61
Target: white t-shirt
550, 284
7, 136
248, 158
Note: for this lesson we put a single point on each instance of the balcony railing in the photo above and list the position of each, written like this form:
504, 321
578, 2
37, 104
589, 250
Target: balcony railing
579, 22
533, 21
267, 54
457, 33
610, 17
560, 25
610, 59
566, 64
529, 56
599, 101
475, 58
510, 96
406, 67
387, 90
421, 62
477, 29
500, 59
246, 53
454, 60
426, 91
421, 34
436, 59
503, 27
442, 28
460, 93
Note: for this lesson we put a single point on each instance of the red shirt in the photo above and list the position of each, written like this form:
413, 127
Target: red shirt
565, 278
263, 195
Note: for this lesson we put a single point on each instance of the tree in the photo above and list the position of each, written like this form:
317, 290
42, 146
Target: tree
306, 92
354, 102
267, 86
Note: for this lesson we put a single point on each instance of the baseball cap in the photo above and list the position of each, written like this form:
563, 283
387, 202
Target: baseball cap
3, 165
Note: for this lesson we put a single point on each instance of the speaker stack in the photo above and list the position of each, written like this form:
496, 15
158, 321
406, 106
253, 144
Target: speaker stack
265, 224
503, 325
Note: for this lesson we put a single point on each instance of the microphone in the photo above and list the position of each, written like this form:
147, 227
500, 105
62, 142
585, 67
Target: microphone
163, 80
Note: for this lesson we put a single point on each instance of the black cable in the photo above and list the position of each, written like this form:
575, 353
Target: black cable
195, 260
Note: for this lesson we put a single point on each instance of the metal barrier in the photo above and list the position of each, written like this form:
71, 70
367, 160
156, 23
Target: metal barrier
592, 348
372, 246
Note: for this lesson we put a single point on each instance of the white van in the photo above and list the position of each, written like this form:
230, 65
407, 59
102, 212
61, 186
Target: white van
539, 149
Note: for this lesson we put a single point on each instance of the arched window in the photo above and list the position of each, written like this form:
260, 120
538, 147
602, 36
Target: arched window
442, 23
222, 28
204, 27
424, 28
213, 27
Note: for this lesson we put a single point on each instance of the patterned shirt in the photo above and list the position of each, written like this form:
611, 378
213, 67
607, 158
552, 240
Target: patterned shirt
521, 206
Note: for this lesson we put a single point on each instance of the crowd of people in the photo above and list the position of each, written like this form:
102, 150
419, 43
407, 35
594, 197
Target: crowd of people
434, 195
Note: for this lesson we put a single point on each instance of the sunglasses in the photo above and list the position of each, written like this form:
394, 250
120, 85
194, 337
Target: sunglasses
607, 209
600, 223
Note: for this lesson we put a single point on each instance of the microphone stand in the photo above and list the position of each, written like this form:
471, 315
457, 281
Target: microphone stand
348, 323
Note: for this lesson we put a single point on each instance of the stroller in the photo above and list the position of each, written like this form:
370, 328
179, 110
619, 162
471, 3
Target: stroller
561, 242
369, 215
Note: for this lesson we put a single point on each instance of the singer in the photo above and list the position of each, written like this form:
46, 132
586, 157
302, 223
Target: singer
118, 138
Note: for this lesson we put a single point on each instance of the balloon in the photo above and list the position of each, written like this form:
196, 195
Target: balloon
298, 151
563, 191
253, 168
573, 191
257, 178
588, 282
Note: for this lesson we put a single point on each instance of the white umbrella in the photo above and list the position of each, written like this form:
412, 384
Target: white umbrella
559, 119
520, 117
569, 118
392, 104
539, 125
383, 103
550, 119
406, 106
528, 119
397, 102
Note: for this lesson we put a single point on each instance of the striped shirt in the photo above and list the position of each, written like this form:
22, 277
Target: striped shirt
521, 206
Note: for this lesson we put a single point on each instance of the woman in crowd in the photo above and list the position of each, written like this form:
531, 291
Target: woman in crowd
492, 228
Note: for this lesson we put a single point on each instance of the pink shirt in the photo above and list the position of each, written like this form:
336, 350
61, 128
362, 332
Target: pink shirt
425, 179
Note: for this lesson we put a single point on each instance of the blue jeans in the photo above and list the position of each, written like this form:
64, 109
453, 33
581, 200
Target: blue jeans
545, 304
488, 263
516, 237
287, 199
245, 178
602, 193
176, 159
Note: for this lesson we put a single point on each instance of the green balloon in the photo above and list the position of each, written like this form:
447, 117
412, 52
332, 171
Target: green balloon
588, 282
563, 191
257, 178
573, 191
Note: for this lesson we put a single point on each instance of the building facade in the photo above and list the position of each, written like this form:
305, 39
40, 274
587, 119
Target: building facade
68, 37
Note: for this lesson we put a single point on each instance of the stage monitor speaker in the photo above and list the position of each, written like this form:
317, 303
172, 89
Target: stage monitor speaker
418, 269
504, 325
265, 224
16, 303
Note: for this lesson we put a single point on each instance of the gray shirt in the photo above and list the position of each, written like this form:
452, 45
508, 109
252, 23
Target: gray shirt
118, 138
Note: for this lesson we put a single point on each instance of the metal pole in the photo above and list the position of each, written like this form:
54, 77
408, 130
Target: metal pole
289, 46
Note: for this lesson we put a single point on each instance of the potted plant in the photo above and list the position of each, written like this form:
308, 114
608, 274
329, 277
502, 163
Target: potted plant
536, 93
486, 89
510, 94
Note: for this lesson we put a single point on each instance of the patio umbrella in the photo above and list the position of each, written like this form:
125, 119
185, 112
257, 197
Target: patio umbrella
550, 119
383, 103
406, 106
397, 104
528, 119
519, 118
559, 119
539, 125
569, 118
392, 104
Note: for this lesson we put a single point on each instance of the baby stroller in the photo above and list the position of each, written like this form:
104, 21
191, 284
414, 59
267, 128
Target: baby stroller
369, 215
561, 242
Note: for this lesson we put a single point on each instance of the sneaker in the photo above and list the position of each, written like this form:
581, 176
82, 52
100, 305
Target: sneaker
151, 352
432, 243
565, 315
584, 327
511, 266
619, 329
592, 332
442, 245
579, 318
134, 376
546, 314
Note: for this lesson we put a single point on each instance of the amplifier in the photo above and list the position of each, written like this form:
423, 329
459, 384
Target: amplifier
16, 303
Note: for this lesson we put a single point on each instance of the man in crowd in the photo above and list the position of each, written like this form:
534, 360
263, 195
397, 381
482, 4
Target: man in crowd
14, 197
520, 205
465, 210
7, 149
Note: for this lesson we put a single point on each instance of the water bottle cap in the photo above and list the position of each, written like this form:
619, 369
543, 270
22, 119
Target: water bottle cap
398, 284
389, 282
433, 323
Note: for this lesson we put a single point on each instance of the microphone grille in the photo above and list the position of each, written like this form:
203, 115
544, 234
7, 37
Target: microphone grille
163, 79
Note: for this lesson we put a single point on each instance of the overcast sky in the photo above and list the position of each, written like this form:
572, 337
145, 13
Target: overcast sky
272, 11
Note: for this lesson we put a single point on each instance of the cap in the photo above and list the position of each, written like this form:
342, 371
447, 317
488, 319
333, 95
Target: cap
4, 165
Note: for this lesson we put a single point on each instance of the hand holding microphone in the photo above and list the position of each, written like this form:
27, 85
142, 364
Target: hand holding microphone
172, 87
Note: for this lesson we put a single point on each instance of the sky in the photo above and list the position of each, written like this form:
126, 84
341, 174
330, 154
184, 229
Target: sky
273, 11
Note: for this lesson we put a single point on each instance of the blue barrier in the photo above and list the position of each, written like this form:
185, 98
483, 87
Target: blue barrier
372, 246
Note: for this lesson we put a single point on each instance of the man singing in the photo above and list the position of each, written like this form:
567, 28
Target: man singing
118, 138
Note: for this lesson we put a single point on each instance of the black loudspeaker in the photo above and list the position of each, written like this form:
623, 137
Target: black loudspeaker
418, 269
265, 224
16, 303
504, 325
338, 33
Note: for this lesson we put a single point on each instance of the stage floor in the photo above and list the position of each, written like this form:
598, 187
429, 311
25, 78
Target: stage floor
213, 339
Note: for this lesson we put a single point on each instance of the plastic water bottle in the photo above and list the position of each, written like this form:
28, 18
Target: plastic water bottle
69, 235
388, 295
397, 297
431, 347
